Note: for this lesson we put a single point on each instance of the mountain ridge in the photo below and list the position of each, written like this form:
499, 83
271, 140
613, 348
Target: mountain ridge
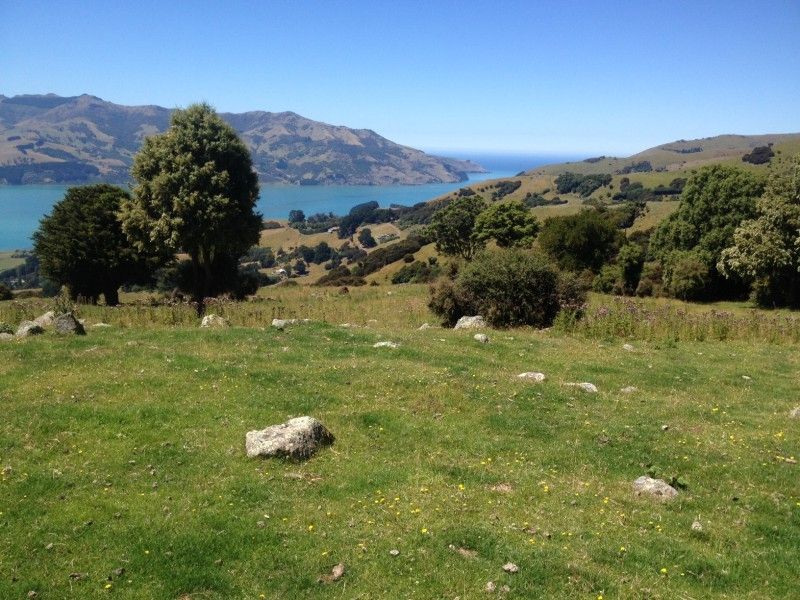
46, 138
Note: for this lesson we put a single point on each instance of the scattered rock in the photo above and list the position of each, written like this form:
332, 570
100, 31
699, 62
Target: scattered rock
218, 562
628, 347
424, 326
45, 320
298, 438
6, 336
67, 323
392, 345
631, 389
465, 552
587, 387
28, 328
335, 575
658, 488
491, 587
475, 322
49, 546
505, 589
101, 325
394, 552
532, 376
77, 576
664, 427
795, 413
261, 524
32, 594
214, 321
283, 323
503, 488
482, 338
697, 526
510, 567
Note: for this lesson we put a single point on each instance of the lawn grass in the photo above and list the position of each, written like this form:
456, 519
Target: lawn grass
124, 449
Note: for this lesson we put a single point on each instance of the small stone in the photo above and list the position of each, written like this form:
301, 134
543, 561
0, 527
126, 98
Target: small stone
795, 413
77, 576
392, 345
213, 321
658, 488
394, 552
49, 546
631, 389
101, 325
297, 438
490, 587
747, 377
261, 524
510, 567
218, 562
424, 326
587, 387
482, 338
335, 575
664, 427
67, 323
628, 347
32, 594
118, 572
505, 589
28, 328
532, 376
503, 488
282, 323
697, 526
475, 322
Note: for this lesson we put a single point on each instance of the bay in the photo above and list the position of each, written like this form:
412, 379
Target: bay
22, 206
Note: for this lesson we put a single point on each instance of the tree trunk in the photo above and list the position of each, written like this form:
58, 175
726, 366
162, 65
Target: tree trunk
112, 296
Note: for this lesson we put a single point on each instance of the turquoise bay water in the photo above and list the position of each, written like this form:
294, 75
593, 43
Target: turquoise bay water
22, 206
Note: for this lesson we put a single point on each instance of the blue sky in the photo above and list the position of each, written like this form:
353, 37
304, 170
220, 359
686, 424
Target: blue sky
536, 77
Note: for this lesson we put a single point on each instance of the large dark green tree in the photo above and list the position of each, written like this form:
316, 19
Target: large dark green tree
586, 240
713, 204
195, 192
508, 223
81, 244
453, 227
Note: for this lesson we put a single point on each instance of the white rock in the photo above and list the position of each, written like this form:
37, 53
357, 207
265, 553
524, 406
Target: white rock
45, 320
394, 552
795, 413
587, 387
5, 337
490, 586
658, 488
297, 438
424, 326
510, 567
475, 322
28, 328
628, 347
697, 526
281, 323
532, 376
482, 338
629, 389
101, 325
386, 345
214, 321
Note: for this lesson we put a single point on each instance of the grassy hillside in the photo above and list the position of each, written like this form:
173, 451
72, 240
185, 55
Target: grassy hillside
7, 261
124, 469
667, 164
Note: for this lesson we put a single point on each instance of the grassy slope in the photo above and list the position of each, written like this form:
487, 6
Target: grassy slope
8, 262
126, 450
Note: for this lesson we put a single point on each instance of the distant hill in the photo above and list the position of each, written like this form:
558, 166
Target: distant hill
49, 138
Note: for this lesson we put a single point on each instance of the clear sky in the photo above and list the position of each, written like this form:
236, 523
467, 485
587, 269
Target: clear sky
560, 76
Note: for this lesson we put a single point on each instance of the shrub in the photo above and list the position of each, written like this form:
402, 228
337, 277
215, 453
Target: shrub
6, 328
583, 241
416, 272
686, 275
270, 225
509, 288
5, 293
339, 276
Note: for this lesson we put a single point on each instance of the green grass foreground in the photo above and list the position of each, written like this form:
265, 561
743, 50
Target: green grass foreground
124, 449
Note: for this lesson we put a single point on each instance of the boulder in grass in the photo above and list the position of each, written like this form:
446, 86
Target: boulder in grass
45, 320
392, 345
532, 376
67, 323
482, 338
587, 387
298, 439
213, 321
282, 323
28, 328
475, 322
657, 488
795, 413
4, 337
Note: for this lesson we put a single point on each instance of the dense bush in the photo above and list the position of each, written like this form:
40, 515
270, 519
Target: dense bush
365, 238
583, 185
386, 255
504, 188
586, 240
265, 225
5, 293
686, 275
340, 276
417, 272
509, 288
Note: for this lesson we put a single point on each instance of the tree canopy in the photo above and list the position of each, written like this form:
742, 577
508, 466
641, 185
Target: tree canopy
766, 250
453, 227
81, 244
195, 192
508, 223
586, 240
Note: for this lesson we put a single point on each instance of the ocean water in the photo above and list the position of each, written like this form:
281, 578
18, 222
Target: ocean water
22, 206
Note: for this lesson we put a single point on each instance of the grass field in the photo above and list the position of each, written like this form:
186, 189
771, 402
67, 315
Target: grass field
7, 261
124, 450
